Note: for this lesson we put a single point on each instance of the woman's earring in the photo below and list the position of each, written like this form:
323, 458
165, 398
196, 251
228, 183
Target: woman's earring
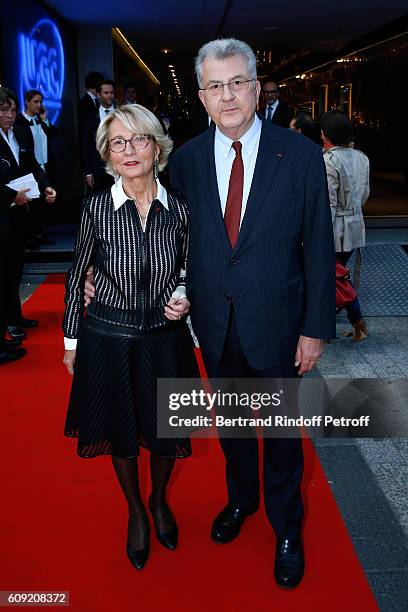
156, 169
115, 175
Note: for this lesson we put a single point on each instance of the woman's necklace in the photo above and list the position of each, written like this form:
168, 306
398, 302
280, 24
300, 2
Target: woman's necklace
142, 216
139, 206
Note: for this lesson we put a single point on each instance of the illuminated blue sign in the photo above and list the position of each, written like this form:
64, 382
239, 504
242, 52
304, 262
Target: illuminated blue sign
42, 65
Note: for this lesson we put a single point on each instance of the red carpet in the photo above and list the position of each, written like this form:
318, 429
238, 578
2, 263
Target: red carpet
63, 520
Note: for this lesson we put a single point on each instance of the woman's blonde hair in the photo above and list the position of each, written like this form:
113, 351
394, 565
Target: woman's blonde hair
139, 120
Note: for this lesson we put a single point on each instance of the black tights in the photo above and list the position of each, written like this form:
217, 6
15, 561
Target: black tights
128, 476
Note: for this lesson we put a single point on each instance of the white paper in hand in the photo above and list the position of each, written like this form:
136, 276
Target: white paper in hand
26, 182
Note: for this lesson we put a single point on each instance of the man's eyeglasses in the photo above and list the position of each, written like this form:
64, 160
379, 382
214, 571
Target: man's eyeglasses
235, 86
137, 142
6, 110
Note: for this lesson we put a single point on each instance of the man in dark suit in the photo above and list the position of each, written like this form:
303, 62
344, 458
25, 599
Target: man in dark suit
34, 118
260, 276
93, 166
17, 159
274, 110
130, 93
8, 348
89, 102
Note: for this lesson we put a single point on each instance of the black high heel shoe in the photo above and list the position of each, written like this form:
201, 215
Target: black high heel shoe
138, 558
168, 539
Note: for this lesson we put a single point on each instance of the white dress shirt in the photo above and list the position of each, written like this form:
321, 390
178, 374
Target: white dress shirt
12, 143
40, 140
103, 113
224, 157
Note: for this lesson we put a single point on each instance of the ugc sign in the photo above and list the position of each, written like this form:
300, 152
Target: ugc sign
42, 65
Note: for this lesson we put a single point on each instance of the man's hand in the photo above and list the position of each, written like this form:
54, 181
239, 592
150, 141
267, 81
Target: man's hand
50, 195
176, 308
22, 197
69, 360
308, 353
90, 181
89, 287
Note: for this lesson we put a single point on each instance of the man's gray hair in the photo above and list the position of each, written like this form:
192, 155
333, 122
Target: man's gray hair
222, 49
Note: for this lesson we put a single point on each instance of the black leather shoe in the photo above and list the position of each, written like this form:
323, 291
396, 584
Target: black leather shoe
8, 356
227, 525
138, 558
9, 344
16, 333
168, 539
27, 322
289, 562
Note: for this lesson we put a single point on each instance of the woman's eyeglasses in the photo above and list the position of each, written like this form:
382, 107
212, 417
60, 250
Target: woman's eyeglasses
137, 142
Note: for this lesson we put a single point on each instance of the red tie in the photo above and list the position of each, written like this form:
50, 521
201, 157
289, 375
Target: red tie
232, 216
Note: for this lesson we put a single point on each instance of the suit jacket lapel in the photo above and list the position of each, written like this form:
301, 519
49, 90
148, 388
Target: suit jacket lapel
209, 184
267, 164
7, 153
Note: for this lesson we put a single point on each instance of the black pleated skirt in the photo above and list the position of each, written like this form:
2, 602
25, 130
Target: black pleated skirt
113, 403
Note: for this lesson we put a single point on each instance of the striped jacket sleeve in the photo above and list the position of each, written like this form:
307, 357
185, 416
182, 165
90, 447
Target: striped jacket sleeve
74, 295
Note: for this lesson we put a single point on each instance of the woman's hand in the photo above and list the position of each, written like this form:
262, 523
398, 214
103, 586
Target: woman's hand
50, 195
176, 308
69, 360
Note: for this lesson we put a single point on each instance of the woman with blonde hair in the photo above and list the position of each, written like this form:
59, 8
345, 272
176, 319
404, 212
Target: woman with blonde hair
135, 235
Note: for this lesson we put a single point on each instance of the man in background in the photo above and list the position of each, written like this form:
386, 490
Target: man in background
93, 166
89, 102
17, 159
130, 93
34, 118
274, 110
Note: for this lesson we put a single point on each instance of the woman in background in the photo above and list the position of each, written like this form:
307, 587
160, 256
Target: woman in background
348, 173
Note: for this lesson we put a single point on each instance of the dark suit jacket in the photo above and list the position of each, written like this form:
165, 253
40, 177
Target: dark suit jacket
10, 170
92, 162
282, 116
280, 278
85, 106
7, 196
